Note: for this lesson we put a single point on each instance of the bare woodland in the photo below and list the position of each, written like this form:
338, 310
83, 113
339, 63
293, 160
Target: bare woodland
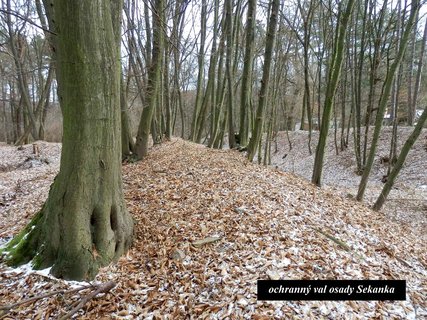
193, 147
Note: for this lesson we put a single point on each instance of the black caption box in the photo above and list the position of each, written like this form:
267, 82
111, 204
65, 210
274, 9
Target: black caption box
331, 289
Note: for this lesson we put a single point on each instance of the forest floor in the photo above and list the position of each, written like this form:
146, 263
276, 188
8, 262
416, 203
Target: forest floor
269, 225
407, 200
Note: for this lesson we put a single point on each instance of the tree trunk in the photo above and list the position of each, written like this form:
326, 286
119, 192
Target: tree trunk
209, 97
128, 145
410, 103
38, 112
400, 161
395, 100
17, 46
84, 223
217, 107
358, 74
307, 22
201, 62
167, 104
246, 93
418, 77
373, 77
263, 94
141, 147
334, 75
148, 49
43, 115
230, 92
384, 98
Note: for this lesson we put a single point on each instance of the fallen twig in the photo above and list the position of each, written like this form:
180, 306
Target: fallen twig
101, 288
199, 243
337, 241
5, 309
342, 244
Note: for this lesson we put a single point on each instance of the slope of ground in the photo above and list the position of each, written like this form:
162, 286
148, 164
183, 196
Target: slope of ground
268, 223
408, 199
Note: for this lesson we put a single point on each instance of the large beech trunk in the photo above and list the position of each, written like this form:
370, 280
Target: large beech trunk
84, 223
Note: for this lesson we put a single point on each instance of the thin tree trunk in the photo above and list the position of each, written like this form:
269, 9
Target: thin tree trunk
144, 128
220, 94
307, 21
209, 96
358, 89
230, 91
21, 75
128, 145
410, 102
246, 93
400, 161
373, 79
167, 102
263, 93
384, 98
201, 62
418, 76
333, 78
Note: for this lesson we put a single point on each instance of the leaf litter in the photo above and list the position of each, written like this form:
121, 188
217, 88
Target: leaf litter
257, 223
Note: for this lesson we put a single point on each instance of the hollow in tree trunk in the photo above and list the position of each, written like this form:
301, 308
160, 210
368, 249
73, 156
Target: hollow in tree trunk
84, 223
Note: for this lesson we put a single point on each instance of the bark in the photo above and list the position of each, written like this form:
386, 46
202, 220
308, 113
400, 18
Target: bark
343, 143
358, 74
15, 112
230, 92
246, 93
373, 79
43, 115
209, 97
201, 58
400, 161
84, 223
307, 21
39, 110
418, 77
395, 103
263, 94
219, 95
141, 147
177, 31
334, 75
410, 102
128, 145
167, 104
148, 49
5, 117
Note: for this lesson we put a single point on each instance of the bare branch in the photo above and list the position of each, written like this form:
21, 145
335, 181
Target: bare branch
15, 14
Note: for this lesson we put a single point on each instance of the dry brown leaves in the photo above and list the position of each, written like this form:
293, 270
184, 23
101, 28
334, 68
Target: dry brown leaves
266, 221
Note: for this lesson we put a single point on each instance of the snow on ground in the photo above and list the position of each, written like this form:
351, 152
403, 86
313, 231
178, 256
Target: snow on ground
24, 182
408, 199
268, 221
